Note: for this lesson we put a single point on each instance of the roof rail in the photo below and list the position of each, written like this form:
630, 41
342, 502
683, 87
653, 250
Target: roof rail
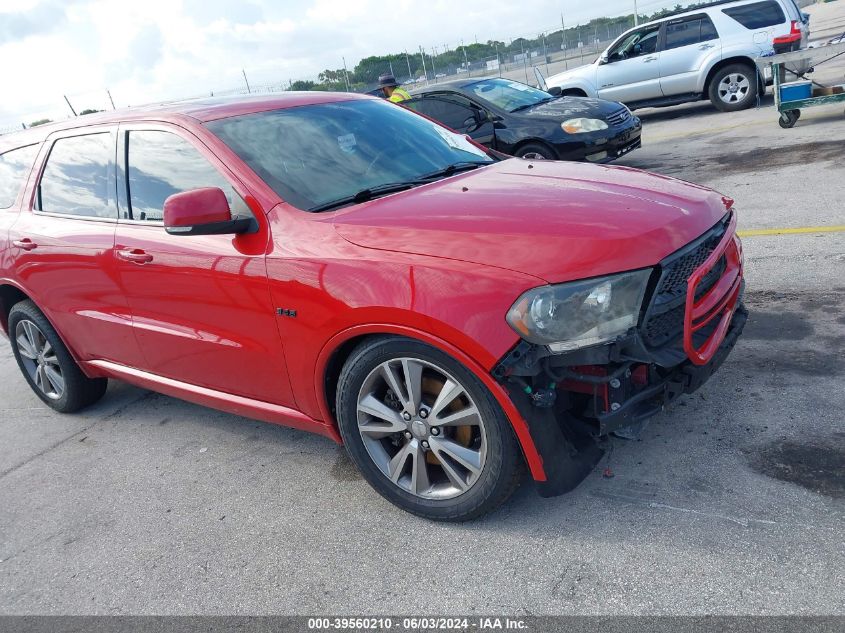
696, 6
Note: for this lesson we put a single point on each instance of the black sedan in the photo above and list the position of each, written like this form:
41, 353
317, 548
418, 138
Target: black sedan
514, 118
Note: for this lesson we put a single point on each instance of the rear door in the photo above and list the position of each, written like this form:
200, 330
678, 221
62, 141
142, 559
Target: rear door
62, 247
689, 43
458, 113
201, 304
15, 167
632, 70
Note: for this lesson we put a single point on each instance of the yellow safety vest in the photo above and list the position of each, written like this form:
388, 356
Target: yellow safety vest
398, 95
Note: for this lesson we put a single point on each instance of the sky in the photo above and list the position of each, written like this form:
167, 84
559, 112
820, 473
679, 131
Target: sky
144, 51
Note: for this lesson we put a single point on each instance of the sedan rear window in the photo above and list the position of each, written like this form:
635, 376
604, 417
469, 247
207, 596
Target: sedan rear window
316, 154
14, 168
758, 15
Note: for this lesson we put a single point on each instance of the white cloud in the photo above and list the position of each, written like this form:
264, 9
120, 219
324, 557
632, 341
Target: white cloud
149, 50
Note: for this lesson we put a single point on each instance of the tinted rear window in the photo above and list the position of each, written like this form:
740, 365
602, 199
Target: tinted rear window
690, 31
758, 15
14, 168
77, 176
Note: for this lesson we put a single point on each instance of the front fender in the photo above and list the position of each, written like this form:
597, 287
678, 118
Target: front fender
520, 427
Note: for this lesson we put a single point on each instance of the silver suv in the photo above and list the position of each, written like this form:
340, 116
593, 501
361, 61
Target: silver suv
706, 53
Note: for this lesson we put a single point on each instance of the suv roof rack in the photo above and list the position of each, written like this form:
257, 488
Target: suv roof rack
696, 6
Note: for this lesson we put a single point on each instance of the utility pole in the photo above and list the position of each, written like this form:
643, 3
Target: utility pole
346, 74
636, 15
408, 61
545, 54
466, 61
425, 72
563, 43
246, 81
433, 69
70, 106
498, 60
108, 92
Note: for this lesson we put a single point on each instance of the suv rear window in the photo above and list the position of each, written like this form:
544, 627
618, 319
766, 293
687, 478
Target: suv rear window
76, 178
758, 15
14, 168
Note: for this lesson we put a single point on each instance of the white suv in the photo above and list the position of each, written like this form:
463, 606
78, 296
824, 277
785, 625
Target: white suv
705, 53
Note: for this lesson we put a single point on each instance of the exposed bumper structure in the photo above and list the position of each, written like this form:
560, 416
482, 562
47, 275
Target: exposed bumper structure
693, 319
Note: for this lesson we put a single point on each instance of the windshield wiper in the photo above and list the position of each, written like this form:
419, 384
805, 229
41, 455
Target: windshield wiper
365, 195
454, 168
531, 105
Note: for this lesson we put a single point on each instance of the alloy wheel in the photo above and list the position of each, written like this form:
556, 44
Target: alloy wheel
734, 88
421, 428
533, 156
39, 359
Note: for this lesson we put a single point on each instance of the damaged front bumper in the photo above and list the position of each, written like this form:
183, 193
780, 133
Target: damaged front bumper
692, 321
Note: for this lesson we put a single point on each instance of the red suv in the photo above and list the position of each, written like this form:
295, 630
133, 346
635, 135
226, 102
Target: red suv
341, 265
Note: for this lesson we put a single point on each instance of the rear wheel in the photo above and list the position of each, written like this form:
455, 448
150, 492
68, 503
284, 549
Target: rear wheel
424, 432
46, 363
734, 87
535, 151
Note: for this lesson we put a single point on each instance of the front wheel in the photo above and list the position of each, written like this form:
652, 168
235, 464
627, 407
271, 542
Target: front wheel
425, 432
789, 118
535, 151
46, 363
734, 87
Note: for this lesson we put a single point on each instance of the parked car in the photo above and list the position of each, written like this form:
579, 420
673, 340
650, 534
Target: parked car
338, 264
706, 53
516, 119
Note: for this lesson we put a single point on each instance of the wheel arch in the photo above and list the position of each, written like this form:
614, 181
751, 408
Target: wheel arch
574, 92
339, 348
10, 294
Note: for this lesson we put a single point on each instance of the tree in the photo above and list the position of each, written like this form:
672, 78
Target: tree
40, 122
89, 111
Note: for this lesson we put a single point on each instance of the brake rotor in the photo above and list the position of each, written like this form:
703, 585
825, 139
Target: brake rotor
431, 387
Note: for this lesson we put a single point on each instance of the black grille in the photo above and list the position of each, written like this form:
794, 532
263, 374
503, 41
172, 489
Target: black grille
664, 321
620, 117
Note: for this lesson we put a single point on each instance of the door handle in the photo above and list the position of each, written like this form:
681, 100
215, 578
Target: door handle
704, 47
135, 255
648, 60
25, 244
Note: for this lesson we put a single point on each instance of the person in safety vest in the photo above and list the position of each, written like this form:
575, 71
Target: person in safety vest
391, 89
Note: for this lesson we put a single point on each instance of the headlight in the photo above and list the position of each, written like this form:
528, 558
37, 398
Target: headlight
581, 125
582, 313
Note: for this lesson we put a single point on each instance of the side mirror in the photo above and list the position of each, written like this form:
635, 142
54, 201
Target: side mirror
202, 212
555, 91
604, 59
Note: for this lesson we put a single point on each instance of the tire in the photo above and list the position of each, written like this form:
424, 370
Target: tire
789, 118
734, 88
46, 363
411, 462
535, 151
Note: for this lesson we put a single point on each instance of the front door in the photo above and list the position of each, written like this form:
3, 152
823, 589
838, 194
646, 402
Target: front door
631, 71
201, 305
458, 113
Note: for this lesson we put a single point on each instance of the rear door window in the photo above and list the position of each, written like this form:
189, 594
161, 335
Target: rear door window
77, 177
690, 31
161, 164
758, 15
14, 168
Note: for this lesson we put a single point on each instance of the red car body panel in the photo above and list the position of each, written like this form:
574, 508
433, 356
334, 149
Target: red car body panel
199, 319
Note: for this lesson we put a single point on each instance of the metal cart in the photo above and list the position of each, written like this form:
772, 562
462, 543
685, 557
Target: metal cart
798, 64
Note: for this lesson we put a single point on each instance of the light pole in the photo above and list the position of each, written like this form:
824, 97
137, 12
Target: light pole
636, 15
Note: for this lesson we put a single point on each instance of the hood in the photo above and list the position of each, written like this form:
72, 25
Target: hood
571, 107
582, 72
553, 220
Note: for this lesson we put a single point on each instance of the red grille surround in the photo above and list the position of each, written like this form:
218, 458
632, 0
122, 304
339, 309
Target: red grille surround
719, 302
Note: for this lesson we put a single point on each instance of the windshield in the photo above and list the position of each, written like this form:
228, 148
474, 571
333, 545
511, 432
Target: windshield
508, 95
314, 155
